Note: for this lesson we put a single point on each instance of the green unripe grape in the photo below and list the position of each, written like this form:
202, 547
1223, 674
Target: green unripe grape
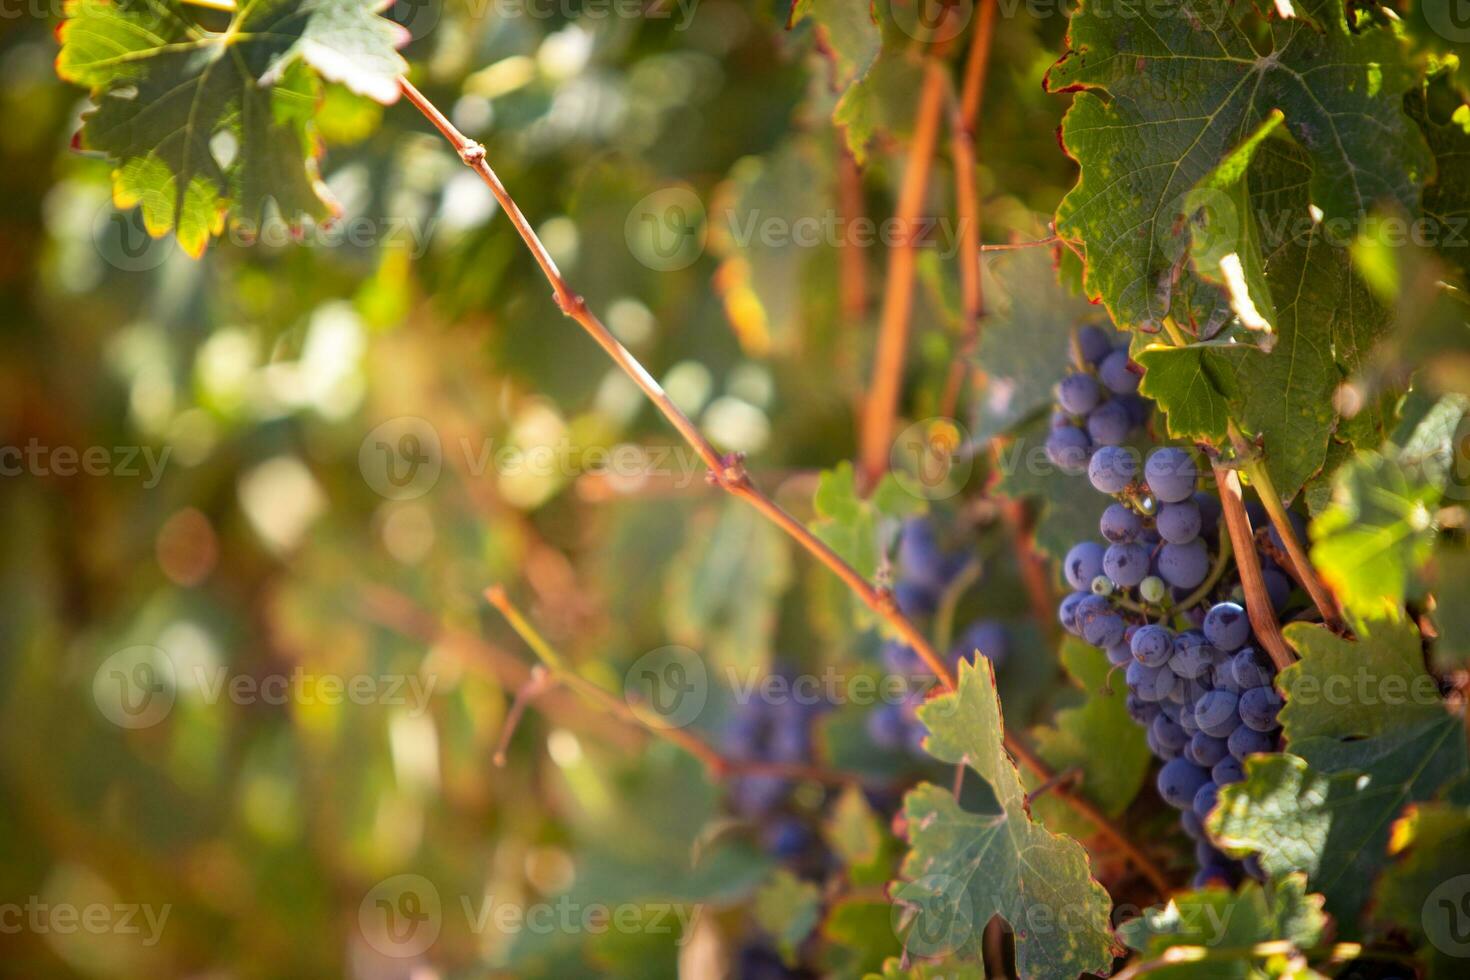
1102, 585
1152, 590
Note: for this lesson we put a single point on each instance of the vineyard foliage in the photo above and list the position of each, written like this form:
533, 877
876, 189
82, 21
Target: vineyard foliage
1140, 642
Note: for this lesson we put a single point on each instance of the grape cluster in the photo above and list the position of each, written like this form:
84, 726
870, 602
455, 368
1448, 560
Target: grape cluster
1196, 679
925, 572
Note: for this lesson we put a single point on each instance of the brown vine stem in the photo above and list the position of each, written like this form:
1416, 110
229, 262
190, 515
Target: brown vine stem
898, 293
967, 202
1302, 570
1257, 602
729, 473
718, 765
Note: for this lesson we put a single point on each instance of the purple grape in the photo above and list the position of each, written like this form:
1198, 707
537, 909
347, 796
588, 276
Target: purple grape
758, 795
1206, 750
1140, 409
1171, 475
1120, 654
1119, 524
1193, 656
1167, 732
1093, 343
921, 558
986, 635
1179, 780
1159, 749
1248, 670
1179, 523
1112, 469
902, 659
1078, 393
1227, 627
1216, 714
1067, 612
915, 598
1141, 711
1205, 799
1083, 564
1125, 564
1227, 771
1245, 741
1259, 707
887, 726
1278, 587
1193, 827
1213, 876
1152, 645
1109, 424
786, 838
1104, 629
1298, 526
1150, 683
1184, 566
1068, 447
1116, 373
1209, 512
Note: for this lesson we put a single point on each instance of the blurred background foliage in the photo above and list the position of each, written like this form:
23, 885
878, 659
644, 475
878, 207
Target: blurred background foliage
262, 542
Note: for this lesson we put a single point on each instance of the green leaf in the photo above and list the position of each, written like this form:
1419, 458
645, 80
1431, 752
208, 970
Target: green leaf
848, 33
725, 587
1443, 115
1326, 323
788, 908
1376, 533
882, 101
1451, 579
1426, 891
1228, 923
1111, 779
1224, 73
852, 830
894, 969
859, 937
964, 867
1029, 319
165, 89
1368, 734
849, 525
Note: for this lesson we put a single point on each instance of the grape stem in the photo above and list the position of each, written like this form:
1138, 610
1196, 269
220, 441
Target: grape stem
537, 684
728, 472
1257, 601
718, 765
1298, 564
1222, 561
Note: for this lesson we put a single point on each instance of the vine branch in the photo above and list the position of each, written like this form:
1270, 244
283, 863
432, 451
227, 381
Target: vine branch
1257, 601
728, 472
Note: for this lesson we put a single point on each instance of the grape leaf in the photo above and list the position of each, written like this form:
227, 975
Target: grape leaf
848, 33
1224, 73
1029, 319
1451, 581
1368, 734
965, 866
1326, 323
1110, 779
894, 969
859, 936
1443, 115
1424, 891
1230, 922
849, 525
882, 101
165, 88
1378, 530
788, 908
852, 831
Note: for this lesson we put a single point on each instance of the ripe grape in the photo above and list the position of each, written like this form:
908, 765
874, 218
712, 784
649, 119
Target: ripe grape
1125, 564
887, 726
1141, 711
1168, 733
1205, 749
986, 635
1245, 741
1116, 375
1078, 393
1179, 523
1152, 645
902, 659
1184, 566
1093, 343
1205, 799
1227, 771
1216, 713
1068, 447
1259, 707
1193, 826
1104, 629
1067, 612
1119, 655
1119, 524
1179, 780
1150, 683
1248, 670
1209, 512
1278, 587
1083, 564
1227, 627
1170, 474
1112, 469
1193, 656
1108, 424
